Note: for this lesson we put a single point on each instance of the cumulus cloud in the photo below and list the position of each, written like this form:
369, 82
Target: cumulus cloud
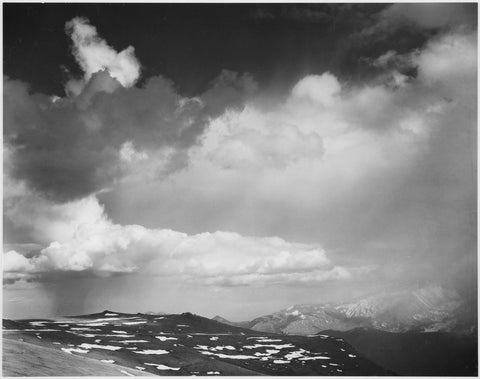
93, 54
220, 258
15, 262
44, 221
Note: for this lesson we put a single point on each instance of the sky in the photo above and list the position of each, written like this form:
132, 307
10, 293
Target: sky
236, 159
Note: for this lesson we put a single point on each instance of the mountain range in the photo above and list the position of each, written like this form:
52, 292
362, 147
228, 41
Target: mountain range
426, 309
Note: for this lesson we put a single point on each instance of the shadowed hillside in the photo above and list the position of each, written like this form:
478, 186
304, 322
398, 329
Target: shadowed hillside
414, 353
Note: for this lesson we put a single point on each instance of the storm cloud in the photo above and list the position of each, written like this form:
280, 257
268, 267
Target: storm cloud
68, 148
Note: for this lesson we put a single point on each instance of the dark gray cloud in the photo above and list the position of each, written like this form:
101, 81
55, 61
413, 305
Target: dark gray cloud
68, 148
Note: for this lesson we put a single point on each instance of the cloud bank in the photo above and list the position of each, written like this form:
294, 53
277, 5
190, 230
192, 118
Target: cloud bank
98, 246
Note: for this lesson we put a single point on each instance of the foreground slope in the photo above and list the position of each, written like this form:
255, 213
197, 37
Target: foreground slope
26, 359
187, 344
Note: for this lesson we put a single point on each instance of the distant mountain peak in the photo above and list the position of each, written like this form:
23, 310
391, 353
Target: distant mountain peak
428, 308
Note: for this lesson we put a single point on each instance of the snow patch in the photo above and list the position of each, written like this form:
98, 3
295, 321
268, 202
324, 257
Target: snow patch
133, 322
101, 320
226, 356
104, 347
223, 348
157, 352
89, 329
162, 367
257, 345
314, 358
295, 354
161, 338
70, 350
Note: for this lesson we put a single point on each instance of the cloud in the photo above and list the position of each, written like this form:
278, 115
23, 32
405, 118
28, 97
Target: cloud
386, 162
68, 148
93, 54
449, 62
220, 258
429, 15
416, 22
15, 262
252, 140
44, 221
319, 89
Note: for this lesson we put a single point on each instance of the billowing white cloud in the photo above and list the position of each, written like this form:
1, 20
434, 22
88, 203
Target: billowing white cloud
44, 221
220, 258
93, 54
15, 262
319, 89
